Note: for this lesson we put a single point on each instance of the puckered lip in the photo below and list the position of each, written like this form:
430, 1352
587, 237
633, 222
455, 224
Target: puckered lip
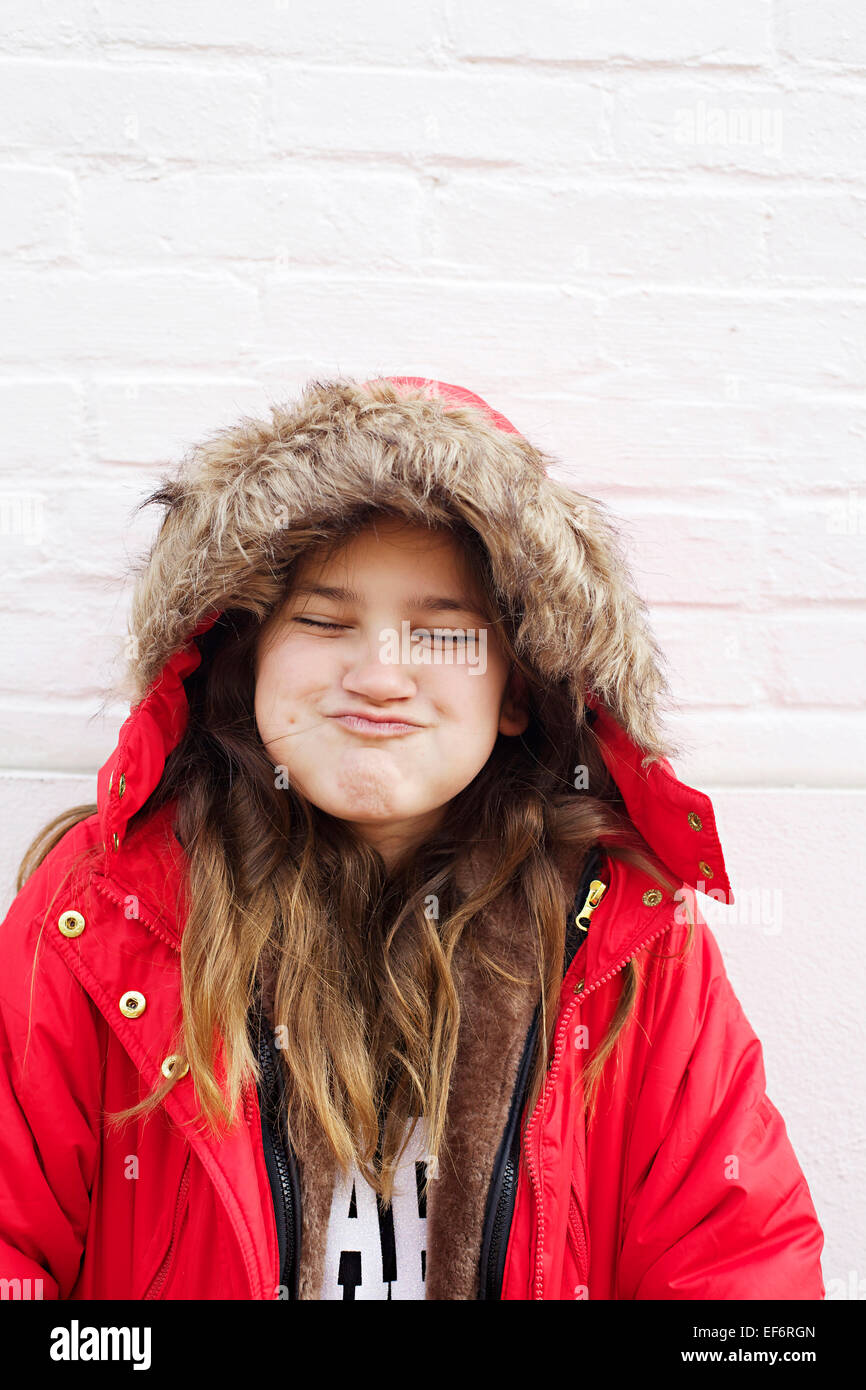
375, 717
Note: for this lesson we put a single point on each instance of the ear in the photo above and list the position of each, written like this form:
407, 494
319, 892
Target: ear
514, 710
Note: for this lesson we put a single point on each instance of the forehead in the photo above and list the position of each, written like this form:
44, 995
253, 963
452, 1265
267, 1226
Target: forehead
425, 569
392, 543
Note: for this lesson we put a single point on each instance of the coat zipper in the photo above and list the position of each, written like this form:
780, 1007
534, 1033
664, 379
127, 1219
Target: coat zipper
504, 1183
158, 1282
549, 1079
593, 898
289, 1204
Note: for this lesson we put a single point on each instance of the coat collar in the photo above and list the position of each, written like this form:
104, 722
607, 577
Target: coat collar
677, 821
151, 730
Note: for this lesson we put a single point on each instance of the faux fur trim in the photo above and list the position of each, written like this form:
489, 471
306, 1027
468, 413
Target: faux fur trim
248, 499
495, 1018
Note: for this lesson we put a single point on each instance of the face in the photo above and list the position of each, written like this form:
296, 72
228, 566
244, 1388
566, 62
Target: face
379, 718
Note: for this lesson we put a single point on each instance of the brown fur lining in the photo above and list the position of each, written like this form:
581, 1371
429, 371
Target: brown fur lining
495, 1018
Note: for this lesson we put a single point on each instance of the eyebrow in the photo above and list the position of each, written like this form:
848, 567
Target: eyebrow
427, 603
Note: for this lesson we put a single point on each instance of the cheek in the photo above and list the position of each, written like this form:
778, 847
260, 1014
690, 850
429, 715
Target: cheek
288, 674
473, 699
272, 689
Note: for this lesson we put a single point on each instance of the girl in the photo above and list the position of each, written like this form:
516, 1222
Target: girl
376, 971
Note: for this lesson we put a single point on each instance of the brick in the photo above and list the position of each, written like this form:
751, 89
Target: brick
278, 219
704, 556
732, 347
834, 32
135, 316
43, 423
817, 659
505, 118
130, 110
37, 213
584, 31
766, 747
773, 656
490, 227
58, 736
392, 30
411, 327
813, 546
43, 654
816, 238
731, 644
672, 126
82, 530
612, 444
151, 422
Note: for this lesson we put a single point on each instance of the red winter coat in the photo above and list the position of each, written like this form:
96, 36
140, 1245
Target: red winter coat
685, 1187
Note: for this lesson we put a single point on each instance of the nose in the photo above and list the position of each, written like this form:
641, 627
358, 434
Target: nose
380, 672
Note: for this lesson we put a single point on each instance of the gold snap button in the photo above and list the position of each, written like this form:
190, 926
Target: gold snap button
121, 786
116, 840
132, 1004
705, 869
653, 896
71, 924
579, 986
174, 1065
695, 821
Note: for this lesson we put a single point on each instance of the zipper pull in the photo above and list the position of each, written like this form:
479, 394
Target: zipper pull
593, 898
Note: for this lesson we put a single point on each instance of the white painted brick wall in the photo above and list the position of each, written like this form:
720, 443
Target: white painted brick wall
638, 231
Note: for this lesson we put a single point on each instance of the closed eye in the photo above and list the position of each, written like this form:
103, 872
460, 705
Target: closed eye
436, 634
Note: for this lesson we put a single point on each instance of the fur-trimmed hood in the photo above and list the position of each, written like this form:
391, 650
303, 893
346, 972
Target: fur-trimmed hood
252, 496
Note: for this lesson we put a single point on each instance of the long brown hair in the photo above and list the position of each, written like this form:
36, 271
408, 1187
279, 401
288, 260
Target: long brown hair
359, 966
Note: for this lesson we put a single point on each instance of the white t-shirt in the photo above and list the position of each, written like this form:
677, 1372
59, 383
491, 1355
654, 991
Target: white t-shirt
373, 1252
